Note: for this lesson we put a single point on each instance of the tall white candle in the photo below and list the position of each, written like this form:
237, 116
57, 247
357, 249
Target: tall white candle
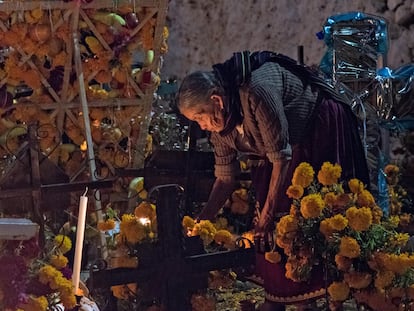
80, 233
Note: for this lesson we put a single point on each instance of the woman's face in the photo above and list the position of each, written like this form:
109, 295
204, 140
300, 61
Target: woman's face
210, 117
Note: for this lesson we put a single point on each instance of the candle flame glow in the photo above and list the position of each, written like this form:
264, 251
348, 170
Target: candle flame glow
145, 221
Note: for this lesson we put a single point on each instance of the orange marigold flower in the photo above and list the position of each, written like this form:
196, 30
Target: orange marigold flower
383, 279
188, 222
312, 205
330, 198
337, 223
297, 269
349, 247
355, 185
59, 261
285, 243
132, 229
273, 257
326, 229
343, 263
365, 198
106, 225
287, 224
293, 211
329, 174
63, 243
303, 175
343, 200
377, 214
392, 174
145, 210
358, 280
36, 303
359, 219
224, 237
295, 191
339, 291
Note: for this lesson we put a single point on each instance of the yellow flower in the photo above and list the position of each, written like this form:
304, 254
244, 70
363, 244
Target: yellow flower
295, 191
297, 269
106, 225
400, 239
132, 229
339, 291
36, 304
355, 185
349, 247
343, 263
145, 210
338, 222
383, 279
329, 174
312, 205
188, 222
398, 263
329, 226
206, 230
58, 261
330, 198
394, 220
359, 219
342, 200
63, 243
365, 198
287, 224
224, 237
273, 257
392, 174
221, 223
358, 280
303, 175
376, 214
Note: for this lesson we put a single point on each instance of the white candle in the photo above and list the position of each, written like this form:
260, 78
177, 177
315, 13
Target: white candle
80, 232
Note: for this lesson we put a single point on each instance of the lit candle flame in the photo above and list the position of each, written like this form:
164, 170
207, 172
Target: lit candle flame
145, 221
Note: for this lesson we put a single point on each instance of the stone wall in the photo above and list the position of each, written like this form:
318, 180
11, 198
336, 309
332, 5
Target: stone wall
203, 32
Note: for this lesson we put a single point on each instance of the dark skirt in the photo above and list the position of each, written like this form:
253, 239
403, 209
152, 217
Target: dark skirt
333, 136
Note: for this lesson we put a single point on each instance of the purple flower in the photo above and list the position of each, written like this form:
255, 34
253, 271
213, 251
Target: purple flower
13, 275
67, 272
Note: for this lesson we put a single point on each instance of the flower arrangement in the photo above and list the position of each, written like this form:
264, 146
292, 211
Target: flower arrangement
31, 279
215, 235
338, 226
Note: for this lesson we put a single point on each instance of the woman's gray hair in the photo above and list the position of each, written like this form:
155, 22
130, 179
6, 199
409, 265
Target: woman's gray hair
197, 88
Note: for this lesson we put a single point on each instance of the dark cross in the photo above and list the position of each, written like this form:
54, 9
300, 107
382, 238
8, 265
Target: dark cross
178, 267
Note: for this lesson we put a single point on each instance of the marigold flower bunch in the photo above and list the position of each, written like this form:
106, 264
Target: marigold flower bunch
336, 224
212, 234
130, 229
35, 279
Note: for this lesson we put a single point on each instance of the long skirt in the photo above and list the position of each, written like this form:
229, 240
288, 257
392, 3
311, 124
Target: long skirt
333, 136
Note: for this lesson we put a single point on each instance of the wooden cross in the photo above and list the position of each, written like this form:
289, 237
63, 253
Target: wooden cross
175, 265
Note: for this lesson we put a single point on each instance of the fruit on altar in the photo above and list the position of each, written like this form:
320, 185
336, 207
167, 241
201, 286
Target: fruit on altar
110, 19
131, 20
40, 32
6, 98
103, 76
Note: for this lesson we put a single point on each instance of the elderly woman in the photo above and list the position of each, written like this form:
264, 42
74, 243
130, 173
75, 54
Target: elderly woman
279, 114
